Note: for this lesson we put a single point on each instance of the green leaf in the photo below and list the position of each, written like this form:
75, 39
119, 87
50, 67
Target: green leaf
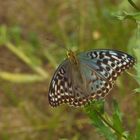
95, 117
15, 34
117, 118
127, 15
33, 39
137, 90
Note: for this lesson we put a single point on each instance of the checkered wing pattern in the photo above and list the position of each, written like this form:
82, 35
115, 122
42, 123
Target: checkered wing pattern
98, 71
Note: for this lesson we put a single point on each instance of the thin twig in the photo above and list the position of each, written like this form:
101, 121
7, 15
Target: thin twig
27, 129
134, 5
27, 60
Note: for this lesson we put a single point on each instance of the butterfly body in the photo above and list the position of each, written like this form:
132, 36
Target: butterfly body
87, 76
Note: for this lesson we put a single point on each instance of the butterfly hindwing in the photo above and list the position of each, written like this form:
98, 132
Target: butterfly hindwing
60, 90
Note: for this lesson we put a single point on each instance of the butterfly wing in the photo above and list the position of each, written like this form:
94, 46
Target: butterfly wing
98, 69
60, 90
108, 63
93, 85
101, 68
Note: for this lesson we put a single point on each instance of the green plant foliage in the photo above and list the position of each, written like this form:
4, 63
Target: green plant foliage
117, 118
93, 110
137, 135
111, 127
3, 35
32, 45
25, 51
127, 15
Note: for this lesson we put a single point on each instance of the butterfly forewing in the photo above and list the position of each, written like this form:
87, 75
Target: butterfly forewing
98, 69
108, 63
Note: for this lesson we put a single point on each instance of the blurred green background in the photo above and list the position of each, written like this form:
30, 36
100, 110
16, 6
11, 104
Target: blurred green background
33, 35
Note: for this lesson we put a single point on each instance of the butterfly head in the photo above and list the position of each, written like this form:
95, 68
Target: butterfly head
72, 57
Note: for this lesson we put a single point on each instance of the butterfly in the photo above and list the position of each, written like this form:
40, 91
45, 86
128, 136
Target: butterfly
88, 76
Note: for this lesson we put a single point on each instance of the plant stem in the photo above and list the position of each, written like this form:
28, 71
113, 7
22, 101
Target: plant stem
134, 5
24, 58
108, 124
28, 129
